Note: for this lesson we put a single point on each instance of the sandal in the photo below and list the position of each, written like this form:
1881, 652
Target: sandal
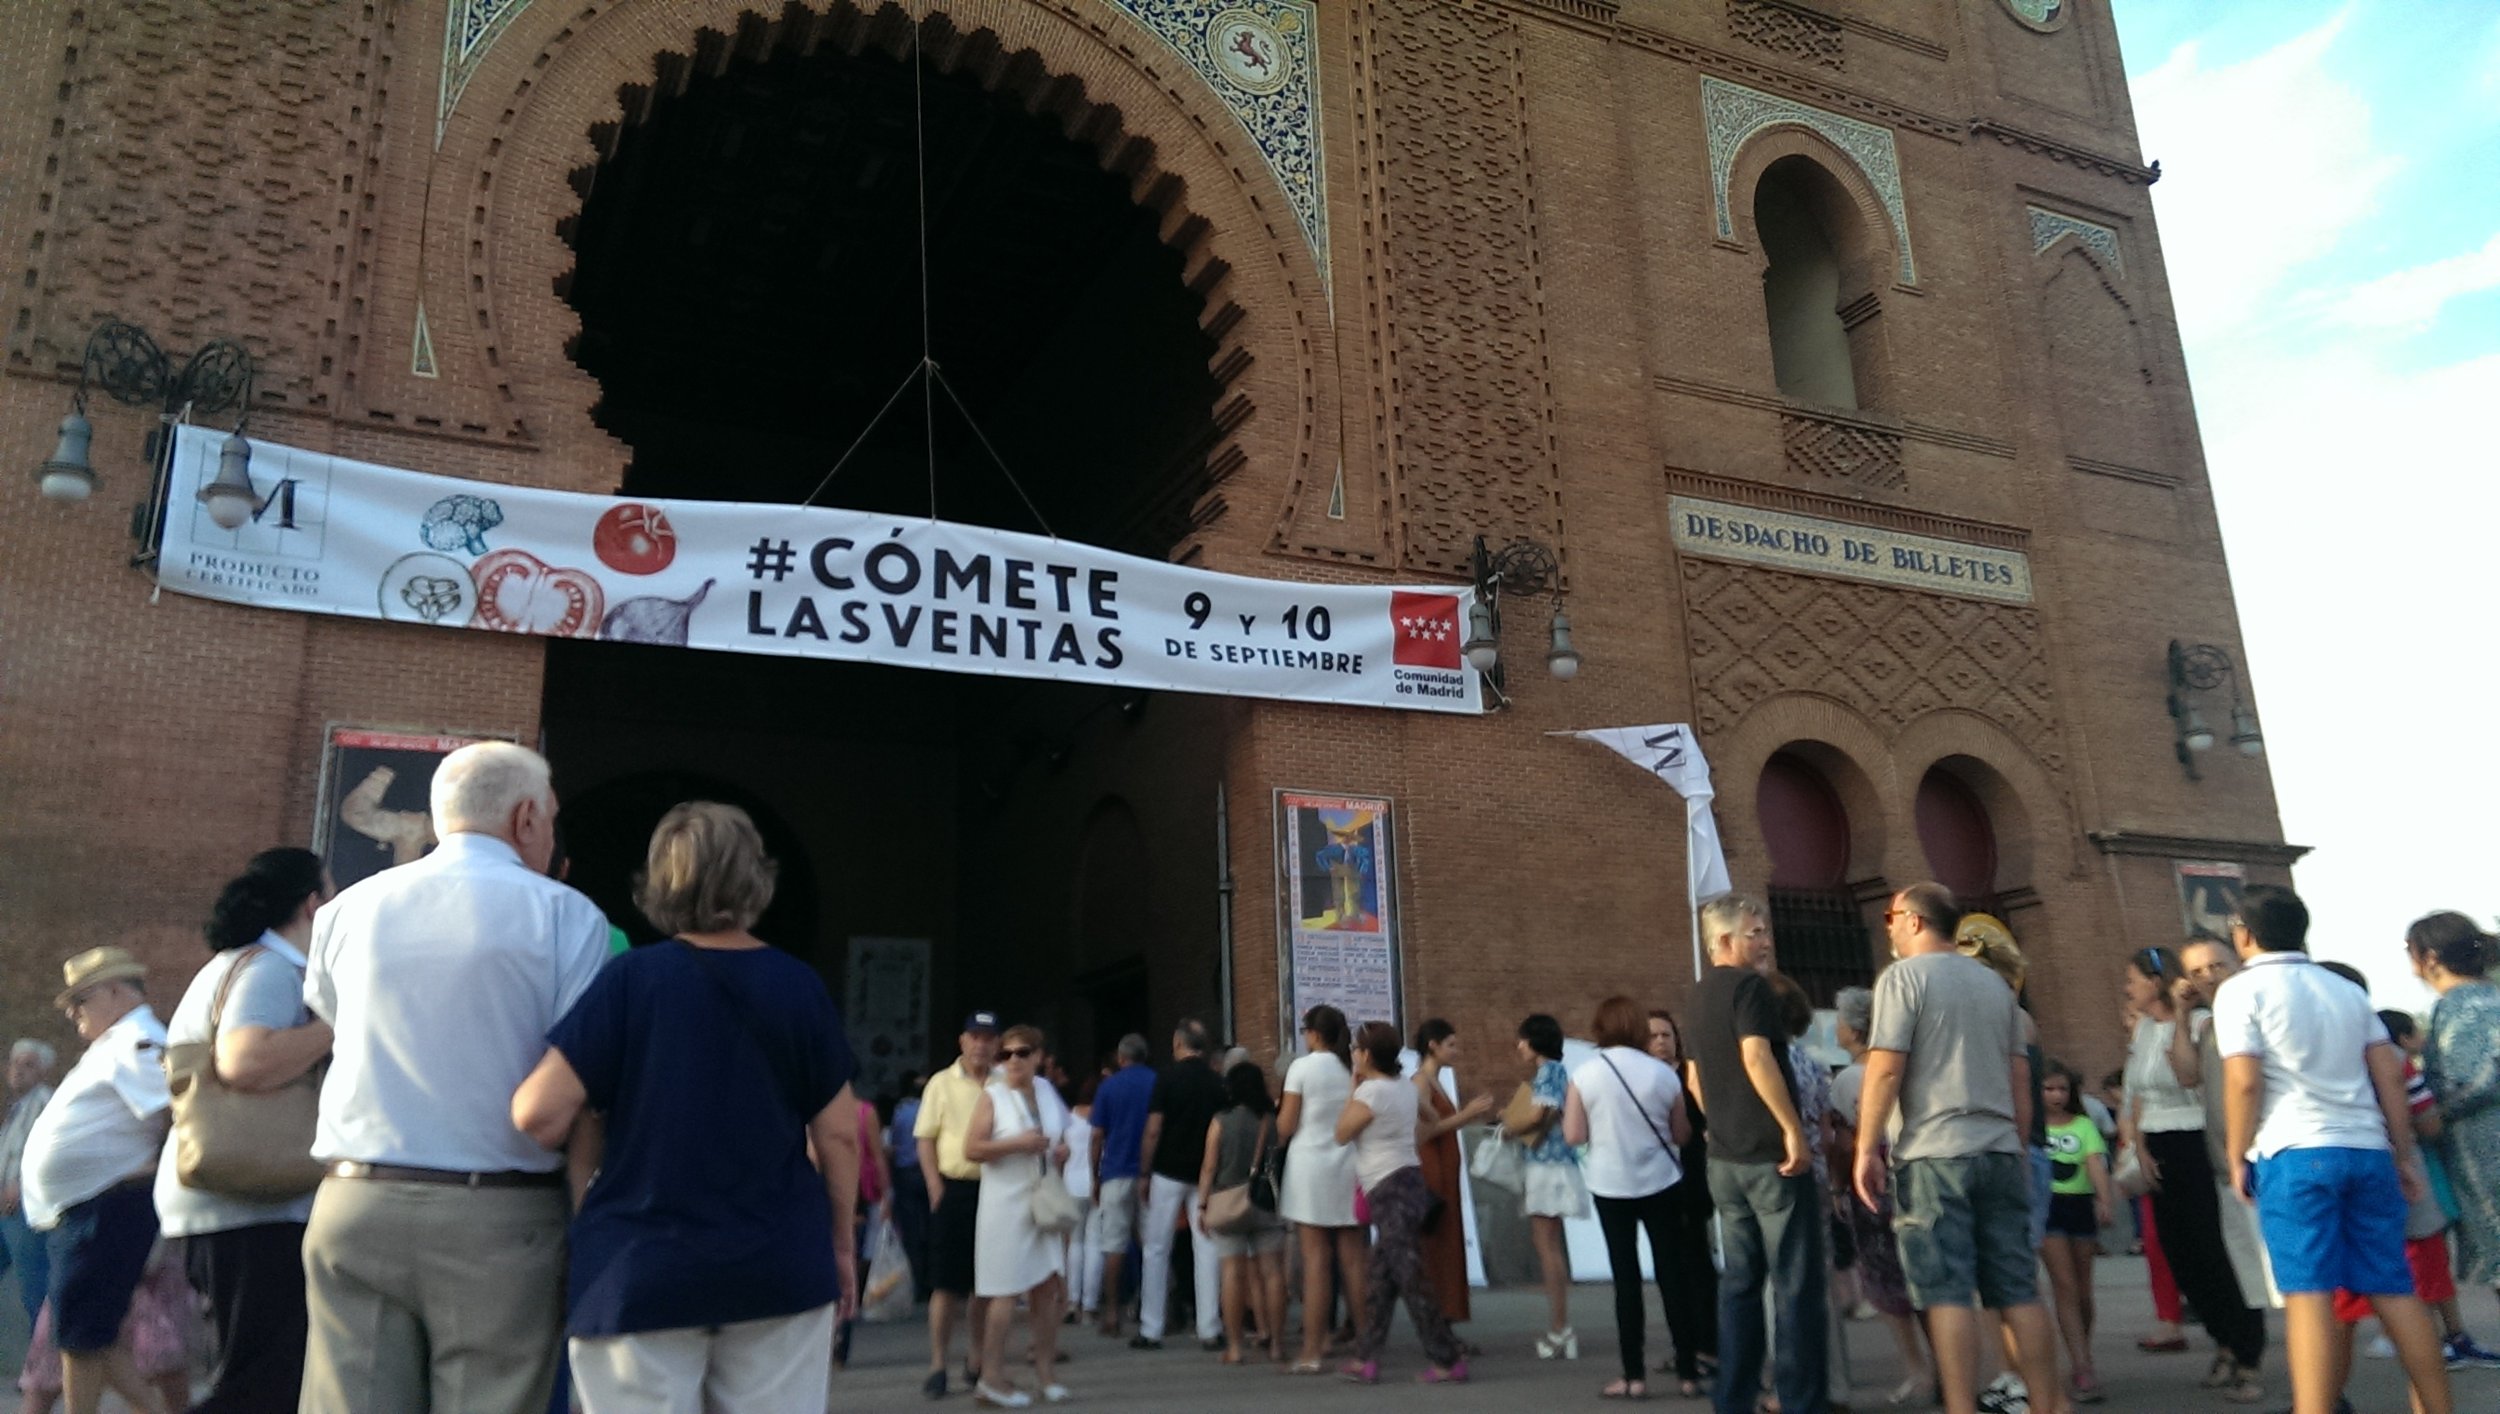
1437, 1375
1361, 1372
1625, 1389
2176, 1345
2088, 1391
1306, 1367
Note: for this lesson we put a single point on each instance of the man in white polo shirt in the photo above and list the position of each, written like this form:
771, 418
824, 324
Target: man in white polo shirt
2321, 1140
89, 1174
434, 1260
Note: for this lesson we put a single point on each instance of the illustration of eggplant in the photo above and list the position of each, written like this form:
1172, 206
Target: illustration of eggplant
653, 620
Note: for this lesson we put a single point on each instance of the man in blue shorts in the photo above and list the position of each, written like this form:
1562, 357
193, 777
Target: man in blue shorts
2321, 1141
90, 1174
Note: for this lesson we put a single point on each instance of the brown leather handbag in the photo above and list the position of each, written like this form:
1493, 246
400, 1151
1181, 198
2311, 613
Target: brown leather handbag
1524, 1119
255, 1145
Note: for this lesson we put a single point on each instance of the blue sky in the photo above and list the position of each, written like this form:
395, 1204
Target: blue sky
2329, 211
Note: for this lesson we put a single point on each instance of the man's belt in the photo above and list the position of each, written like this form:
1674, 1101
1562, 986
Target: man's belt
452, 1178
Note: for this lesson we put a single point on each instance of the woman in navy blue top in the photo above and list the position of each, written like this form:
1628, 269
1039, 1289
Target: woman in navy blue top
710, 1256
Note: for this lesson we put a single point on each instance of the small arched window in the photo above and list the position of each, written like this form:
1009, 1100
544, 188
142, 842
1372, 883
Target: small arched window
1817, 287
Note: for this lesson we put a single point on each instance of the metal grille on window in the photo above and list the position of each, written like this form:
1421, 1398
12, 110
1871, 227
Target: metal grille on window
1822, 941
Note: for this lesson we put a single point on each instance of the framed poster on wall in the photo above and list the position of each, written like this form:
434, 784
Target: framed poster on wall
1337, 886
886, 1007
2209, 897
372, 809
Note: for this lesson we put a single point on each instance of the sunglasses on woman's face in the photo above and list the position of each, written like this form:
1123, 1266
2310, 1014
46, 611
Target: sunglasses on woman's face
1016, 1052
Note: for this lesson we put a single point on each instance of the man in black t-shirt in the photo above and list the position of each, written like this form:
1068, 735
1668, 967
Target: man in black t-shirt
1761, 1169
1187, 1095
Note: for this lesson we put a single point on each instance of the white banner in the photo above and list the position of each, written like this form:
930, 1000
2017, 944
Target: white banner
1670, 752
333, 536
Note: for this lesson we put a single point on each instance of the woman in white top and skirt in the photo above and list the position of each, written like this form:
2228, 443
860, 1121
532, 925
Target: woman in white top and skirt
1379, 1121
1627, 1107
1317, 1195
2166, 1121
1015, 1138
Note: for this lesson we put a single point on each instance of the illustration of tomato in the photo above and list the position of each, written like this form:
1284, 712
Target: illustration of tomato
634, 539
517, 592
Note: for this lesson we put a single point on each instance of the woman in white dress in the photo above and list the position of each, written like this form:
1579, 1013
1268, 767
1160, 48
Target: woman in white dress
1015, 1138
1318, 1191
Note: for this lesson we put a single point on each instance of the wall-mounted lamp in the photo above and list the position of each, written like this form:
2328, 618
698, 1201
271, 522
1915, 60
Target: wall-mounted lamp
2202, 667
1521, 567
127, 365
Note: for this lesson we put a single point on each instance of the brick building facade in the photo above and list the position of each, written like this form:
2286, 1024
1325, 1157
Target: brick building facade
1584, 271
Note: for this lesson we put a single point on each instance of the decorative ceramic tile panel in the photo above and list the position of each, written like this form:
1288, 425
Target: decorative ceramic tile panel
2038, 14
1261, 57
469, 29
2047, 226
1733, 114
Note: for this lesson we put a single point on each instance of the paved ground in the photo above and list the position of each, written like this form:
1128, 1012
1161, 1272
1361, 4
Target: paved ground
889, 1362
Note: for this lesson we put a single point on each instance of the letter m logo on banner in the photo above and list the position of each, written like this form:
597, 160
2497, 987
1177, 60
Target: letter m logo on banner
1427, 628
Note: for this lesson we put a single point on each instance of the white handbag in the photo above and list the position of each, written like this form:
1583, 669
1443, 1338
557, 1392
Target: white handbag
1499, 1162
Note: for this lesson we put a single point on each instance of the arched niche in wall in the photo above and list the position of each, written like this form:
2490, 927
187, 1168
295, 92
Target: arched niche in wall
1958, 837
1818, 928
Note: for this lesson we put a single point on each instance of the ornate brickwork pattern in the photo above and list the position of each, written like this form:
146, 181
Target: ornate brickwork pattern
470, 28
1891, 655
1733, 114
1822, 447
199, 188
1791, 34
1471, 424
1261, 57
2047, 226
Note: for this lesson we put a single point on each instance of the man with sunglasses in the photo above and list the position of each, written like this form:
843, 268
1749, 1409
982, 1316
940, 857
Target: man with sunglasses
89, 1174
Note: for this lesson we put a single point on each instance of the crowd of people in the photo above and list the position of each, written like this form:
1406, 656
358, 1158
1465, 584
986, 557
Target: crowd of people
436, 1142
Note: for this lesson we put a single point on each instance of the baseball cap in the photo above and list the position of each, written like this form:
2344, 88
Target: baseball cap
983, 1021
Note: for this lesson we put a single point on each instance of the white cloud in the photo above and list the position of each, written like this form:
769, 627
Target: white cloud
2269, 159
2411, 299
2352, 478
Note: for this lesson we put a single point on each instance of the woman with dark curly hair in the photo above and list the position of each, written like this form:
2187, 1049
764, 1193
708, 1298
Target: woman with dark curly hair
246, 1258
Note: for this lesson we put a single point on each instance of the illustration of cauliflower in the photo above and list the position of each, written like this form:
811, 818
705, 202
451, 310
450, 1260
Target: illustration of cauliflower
460, 523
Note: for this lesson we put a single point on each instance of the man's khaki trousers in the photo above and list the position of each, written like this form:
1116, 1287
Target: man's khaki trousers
432, 1297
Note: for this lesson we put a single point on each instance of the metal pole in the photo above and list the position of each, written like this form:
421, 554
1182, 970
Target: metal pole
1224, 912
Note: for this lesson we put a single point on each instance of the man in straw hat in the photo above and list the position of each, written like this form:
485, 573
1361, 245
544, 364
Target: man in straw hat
434, 1259
89, 1174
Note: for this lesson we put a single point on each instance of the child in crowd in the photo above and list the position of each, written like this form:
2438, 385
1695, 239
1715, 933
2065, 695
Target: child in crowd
2080, 1195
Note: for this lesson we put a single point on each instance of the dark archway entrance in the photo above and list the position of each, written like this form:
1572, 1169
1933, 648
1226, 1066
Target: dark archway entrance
749, 290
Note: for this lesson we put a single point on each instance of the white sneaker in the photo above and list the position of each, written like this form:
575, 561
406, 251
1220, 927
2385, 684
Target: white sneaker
1010, 1398
1056, 1394
2380, 1347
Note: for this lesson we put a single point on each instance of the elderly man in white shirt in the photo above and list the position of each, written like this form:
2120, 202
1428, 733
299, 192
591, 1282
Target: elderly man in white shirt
30, 1088
435, 1255
89, 1172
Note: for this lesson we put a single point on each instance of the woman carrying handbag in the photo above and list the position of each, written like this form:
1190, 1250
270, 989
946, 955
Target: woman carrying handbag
244, 1018
1627, 1107
1025, 1211
1249, 1238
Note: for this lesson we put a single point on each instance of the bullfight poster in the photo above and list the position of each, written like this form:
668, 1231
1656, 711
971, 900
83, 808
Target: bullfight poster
1337, 855
374, 811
